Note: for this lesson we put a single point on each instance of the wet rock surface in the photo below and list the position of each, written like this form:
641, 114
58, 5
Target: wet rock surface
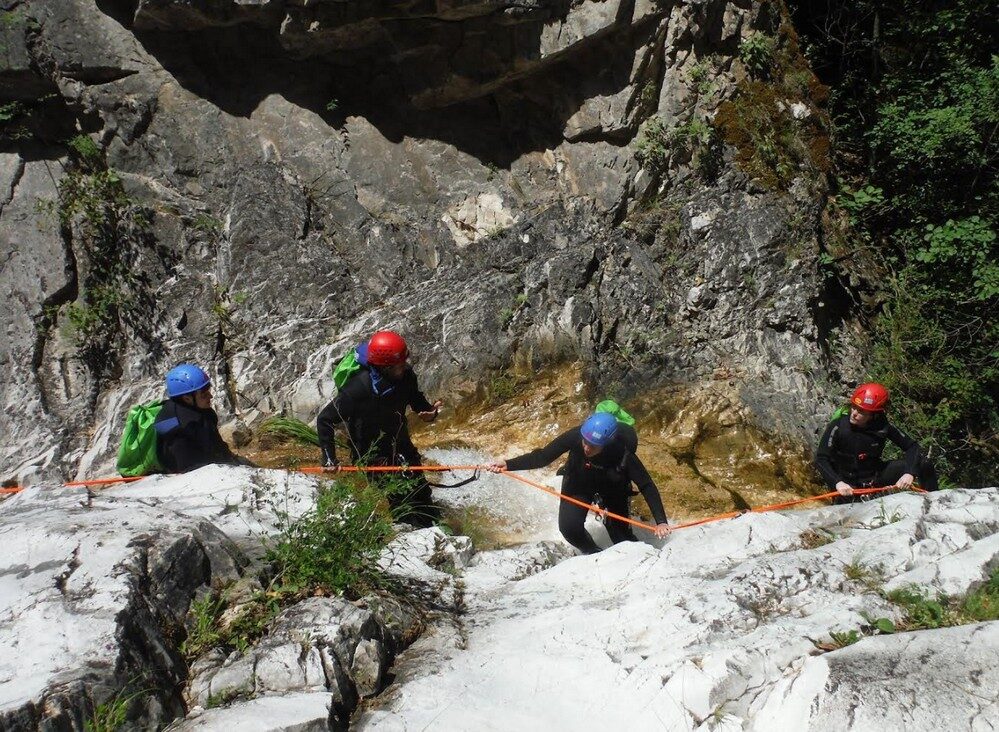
301, 174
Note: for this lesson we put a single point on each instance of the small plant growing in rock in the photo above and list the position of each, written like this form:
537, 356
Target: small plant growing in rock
227, 697
111, 715
814, 538
884, 517
842, 639
757, 55
870, 577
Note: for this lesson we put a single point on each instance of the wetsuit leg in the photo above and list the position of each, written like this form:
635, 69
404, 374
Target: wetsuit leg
926, 474
618, 530
572, 524
415, 503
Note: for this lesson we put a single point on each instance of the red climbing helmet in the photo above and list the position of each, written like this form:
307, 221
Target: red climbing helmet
387, 349
870, 397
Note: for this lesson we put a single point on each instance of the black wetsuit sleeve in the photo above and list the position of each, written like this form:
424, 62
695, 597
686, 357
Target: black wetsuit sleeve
417, 401
543, 456
336, 412
824, 455
638, 475
909, 446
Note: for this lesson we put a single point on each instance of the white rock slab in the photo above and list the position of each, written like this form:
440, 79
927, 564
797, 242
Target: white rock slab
303, 712
709, 631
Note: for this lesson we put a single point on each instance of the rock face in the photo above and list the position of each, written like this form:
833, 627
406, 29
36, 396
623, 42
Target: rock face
718, 630
95, 591
289, 176
721, 625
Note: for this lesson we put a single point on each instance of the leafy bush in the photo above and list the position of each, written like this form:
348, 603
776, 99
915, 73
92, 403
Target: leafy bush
757, 55
334, 547
108, 229
695, 138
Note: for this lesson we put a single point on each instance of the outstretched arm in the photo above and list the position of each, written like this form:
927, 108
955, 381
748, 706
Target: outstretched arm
542, 456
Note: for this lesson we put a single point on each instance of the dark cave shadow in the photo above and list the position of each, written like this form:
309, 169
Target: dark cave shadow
236, 67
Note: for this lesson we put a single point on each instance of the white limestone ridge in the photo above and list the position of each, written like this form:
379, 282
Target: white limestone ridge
715, 630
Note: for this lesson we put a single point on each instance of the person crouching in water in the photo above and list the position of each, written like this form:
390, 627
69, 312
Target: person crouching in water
187, 428
849, 454
372, 405
601, 460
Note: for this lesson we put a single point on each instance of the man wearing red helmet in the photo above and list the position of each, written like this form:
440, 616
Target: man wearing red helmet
849, 454
372, 405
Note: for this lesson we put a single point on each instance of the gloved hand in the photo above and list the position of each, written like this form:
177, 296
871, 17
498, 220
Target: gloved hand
330, 463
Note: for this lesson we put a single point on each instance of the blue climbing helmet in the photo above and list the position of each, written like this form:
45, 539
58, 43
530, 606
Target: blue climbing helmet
599, 429
185, 379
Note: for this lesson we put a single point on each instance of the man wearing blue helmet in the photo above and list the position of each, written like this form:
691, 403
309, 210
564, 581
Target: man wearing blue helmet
187, 428
601, 459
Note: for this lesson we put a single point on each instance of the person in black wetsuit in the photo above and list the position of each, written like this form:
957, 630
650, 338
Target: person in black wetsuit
601, 459
187, 428
849, 453
372, 405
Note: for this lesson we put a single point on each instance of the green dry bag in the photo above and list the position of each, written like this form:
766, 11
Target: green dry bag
347, 367
840, 412
611, 407
137, 454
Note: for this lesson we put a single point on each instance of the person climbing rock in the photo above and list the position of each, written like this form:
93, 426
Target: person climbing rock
601, 461
372, 404
187, 428
849, 453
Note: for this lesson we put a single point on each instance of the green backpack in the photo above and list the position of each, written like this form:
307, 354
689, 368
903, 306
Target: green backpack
842, 411
347, 367
137, 454
611, 407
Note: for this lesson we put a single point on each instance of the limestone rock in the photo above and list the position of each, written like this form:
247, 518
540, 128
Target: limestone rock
718, 629
299, 712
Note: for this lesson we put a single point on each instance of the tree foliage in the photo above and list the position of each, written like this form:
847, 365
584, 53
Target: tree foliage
915, 101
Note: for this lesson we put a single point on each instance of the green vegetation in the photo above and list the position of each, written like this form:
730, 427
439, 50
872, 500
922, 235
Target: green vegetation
108, 228
695, 138
111, 715
290, 428
334, 547
772, 144
842, 639
757, 55
244, 622
922, 611
916, 108
331, 549
870, 577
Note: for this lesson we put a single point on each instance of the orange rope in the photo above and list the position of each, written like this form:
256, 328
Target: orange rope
697, 522
583, 504
315, 469
446, 468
